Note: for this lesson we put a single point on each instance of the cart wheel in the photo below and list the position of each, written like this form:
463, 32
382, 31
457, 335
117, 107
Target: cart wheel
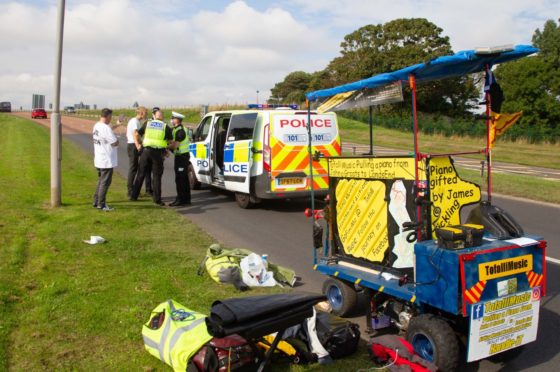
244, 200
194, 184
341, 295
434, 340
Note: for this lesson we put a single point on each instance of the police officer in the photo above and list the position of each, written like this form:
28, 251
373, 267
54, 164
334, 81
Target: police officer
181, 164
157, 136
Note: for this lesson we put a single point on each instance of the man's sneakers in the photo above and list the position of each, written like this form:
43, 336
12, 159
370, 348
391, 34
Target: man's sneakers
105, 208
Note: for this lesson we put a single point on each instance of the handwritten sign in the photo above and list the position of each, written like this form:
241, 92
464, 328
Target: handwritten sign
362, 218
372, 168
449, 193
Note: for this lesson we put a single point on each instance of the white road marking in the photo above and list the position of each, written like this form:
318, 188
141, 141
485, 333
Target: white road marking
553, 260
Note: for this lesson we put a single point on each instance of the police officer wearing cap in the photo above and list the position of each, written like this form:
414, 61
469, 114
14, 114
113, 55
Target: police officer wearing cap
157, 137
181, 150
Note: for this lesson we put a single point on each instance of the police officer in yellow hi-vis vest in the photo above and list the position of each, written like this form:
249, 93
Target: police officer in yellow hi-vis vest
181, 150
157, 137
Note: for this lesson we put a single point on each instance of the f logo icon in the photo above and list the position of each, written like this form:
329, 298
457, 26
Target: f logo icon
478, 311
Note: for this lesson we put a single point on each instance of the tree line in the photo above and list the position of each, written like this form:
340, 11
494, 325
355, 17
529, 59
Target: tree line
531, 85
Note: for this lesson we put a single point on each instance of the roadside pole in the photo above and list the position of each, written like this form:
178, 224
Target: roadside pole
56, 130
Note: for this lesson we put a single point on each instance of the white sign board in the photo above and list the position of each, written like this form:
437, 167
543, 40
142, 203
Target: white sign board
504, 323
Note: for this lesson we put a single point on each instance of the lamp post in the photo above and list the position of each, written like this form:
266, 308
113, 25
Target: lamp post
257, 96
56, 131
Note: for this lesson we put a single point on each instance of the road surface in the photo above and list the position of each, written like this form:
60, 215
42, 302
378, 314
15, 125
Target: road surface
281, 230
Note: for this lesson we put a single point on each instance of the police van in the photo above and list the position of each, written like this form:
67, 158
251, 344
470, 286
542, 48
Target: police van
262, 154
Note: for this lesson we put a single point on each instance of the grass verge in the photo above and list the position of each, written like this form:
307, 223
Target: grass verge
68, 305
540, 155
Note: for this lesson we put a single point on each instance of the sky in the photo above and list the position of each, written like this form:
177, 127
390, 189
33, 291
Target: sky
191, 52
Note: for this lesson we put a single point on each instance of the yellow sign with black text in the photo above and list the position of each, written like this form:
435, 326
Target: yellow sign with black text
505, 267
448, 193
362, 218
372, 168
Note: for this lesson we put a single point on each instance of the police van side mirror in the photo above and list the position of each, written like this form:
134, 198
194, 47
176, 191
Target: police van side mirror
190, 134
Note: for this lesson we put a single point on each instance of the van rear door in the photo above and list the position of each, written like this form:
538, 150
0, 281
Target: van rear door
289, 153
238, 158
200, 150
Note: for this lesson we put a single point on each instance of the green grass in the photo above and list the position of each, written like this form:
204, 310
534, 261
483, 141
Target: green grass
192, 114
68, 305
541, 155
517, 185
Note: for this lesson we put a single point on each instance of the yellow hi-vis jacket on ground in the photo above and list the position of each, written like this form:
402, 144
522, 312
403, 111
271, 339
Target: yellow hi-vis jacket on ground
178, 337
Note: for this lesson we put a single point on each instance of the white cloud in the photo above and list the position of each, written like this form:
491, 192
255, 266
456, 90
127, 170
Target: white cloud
468, 23
172, 52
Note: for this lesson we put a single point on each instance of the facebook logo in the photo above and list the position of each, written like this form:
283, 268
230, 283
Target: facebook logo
477, 311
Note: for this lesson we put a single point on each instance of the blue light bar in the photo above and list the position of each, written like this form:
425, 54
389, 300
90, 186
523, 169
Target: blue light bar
261, 106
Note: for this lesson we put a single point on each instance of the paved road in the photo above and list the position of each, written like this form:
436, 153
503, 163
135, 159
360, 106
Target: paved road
281, 230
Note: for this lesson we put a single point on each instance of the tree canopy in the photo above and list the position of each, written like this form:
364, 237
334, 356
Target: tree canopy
532, 85
374, 49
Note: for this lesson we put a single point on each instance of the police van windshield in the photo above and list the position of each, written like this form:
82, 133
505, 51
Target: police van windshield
241, 127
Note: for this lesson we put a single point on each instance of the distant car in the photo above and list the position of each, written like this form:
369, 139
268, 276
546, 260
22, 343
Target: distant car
5, 107
70, 110
38, 113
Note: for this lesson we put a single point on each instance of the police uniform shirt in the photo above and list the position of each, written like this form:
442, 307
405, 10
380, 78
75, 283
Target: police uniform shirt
168, 131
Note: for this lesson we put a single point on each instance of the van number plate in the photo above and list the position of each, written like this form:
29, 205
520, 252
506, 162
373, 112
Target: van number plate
288, 181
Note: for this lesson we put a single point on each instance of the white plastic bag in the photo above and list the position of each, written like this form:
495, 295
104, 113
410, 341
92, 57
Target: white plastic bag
254, 272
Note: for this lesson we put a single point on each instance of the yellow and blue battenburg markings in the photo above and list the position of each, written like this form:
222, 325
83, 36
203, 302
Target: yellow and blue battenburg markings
237, 152
198, 150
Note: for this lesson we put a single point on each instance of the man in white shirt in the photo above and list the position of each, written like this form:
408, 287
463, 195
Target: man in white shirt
105, 157
133, 152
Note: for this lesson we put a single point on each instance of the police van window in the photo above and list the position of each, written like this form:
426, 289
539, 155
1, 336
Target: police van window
203, 129
241, 127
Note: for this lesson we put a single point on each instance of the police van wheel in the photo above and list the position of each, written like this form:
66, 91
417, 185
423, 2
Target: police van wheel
341, 296
434, 340
244, 200
193, 183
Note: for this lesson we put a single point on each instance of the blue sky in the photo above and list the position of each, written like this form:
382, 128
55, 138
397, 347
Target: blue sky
190, 52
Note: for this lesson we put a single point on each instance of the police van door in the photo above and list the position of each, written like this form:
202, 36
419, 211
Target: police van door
238, 157
200, 151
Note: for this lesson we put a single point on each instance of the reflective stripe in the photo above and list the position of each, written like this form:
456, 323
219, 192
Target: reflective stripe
151, 343
164, 335
178, 333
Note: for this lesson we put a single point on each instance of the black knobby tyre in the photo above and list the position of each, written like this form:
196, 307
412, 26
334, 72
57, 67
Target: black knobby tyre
341, 295
193, 182
434, 340
243, 200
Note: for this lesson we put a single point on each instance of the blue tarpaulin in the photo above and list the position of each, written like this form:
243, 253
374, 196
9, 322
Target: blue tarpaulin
462, 63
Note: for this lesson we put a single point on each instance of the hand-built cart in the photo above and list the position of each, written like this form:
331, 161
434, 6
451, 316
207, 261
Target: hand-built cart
395, 232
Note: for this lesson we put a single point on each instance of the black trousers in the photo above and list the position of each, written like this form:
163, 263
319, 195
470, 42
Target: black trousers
133, 156
150, 158
105, 176
181, 165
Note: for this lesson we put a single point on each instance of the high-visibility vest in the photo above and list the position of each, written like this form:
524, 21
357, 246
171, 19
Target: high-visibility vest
181, 334
183, 147
154, 136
